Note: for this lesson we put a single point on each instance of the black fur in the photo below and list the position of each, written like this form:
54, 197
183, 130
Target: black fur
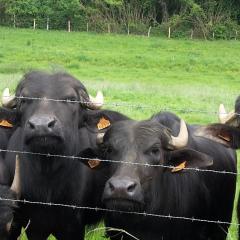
6, 211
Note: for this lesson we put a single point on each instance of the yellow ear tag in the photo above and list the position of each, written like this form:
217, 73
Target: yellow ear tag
93, 163
5, 123
103, 123
179, 168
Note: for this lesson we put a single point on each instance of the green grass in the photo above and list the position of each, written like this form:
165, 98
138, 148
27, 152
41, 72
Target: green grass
149, 73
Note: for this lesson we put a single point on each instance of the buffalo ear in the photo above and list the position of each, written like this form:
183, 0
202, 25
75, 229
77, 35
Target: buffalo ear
8, 115
221, 133
188, 158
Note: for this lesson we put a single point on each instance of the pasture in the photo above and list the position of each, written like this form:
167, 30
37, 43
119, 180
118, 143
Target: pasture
139, 76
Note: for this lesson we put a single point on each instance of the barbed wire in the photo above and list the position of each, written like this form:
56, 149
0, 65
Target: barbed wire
122, 104
145, 214
120, 162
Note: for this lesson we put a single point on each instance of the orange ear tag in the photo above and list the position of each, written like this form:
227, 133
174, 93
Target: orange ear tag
226, 138
93, 163
179, 168
5, 123
103, 123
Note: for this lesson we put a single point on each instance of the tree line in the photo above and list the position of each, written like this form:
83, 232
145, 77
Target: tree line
201, 18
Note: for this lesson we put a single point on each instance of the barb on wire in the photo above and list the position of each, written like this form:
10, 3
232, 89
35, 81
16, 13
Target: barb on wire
123, 104
144, 214
119, 162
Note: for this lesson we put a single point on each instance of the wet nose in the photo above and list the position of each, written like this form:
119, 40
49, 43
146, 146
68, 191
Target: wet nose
43, 123
122, 188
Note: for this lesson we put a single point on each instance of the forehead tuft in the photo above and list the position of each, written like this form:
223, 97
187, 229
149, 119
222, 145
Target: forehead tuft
37, 81
134, 130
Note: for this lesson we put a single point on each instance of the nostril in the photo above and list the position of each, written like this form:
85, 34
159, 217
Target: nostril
31, 125
52, 123
131, 187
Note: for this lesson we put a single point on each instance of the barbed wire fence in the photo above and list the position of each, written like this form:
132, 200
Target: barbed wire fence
119, 162
124, 104
144, 214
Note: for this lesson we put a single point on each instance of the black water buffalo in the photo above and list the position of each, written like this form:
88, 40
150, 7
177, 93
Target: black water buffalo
6, 131
166, 191
53, 128
7, 206
6, 211
227, 133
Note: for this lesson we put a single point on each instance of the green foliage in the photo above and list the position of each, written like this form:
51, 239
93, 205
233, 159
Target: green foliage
135, 16
227, 30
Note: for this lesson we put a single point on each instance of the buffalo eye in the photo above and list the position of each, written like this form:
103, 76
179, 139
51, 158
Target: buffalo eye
107, 149
154, 154
23, 101
155, 151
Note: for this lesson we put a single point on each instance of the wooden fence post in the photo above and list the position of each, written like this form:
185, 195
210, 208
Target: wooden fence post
169, 32
149, 31
47, 24
87, 27
109, 28
213, 35
14, 20
236, 36
191, 33
34, 24
69, 26
128, 31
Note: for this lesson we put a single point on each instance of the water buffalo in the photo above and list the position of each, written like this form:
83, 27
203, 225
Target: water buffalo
163, 191
55, 127
6, 131
7, 206
227, 132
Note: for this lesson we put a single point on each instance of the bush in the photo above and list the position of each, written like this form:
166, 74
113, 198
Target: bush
226, 30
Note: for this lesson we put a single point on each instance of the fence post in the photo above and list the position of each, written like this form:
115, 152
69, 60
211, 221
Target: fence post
169, 32
191, 33
128, 31
14, 20
109, 29
34, 24
47, 24
69, 26
236, 35
87, 27
149, 31
213, 35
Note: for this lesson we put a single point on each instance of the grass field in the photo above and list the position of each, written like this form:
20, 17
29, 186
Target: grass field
139, 76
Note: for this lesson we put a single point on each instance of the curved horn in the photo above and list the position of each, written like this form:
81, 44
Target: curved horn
8, 100
97, 102
16, 181
182, 139
225, 117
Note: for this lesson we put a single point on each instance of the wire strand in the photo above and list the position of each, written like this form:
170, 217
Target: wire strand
145, 214
119, 162
122, 104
